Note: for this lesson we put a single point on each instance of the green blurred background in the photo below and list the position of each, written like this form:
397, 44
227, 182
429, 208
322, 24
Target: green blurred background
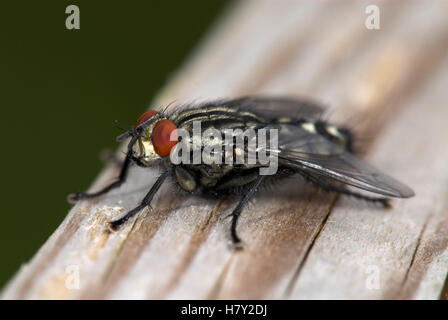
60, 91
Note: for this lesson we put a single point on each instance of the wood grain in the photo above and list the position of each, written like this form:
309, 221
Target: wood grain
299, 243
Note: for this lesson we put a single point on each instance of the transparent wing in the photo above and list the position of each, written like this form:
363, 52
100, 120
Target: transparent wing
315, 154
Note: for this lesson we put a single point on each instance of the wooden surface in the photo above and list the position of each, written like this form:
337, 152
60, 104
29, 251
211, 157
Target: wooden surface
390, 84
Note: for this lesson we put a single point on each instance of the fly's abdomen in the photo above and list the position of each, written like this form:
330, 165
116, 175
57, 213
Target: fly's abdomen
338, 135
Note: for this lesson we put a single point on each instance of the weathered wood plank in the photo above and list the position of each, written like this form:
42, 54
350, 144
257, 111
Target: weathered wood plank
298, 242
402, 246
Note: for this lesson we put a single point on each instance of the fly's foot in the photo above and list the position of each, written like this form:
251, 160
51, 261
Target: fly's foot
386, 203
116, 224
75, 197
237, 245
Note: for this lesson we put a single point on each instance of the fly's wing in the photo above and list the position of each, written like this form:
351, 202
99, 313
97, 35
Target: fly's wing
320, 157
276, 107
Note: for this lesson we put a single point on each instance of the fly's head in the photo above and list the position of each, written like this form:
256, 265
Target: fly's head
155, 137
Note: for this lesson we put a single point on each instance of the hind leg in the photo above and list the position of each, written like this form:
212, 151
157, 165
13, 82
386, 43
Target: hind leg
328, 186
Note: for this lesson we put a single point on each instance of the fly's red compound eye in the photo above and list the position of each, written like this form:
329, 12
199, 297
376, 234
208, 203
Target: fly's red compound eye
145, 116
161, 137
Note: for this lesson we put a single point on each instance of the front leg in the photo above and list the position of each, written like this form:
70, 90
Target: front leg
74, 197
145, 202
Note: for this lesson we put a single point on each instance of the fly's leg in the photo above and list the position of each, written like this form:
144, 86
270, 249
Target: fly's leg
385, 202
237, 211
145, 202
74, 197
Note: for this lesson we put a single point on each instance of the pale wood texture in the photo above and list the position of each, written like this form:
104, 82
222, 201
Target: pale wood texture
390, 84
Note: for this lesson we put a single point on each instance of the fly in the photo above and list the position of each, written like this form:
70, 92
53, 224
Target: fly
304, 144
